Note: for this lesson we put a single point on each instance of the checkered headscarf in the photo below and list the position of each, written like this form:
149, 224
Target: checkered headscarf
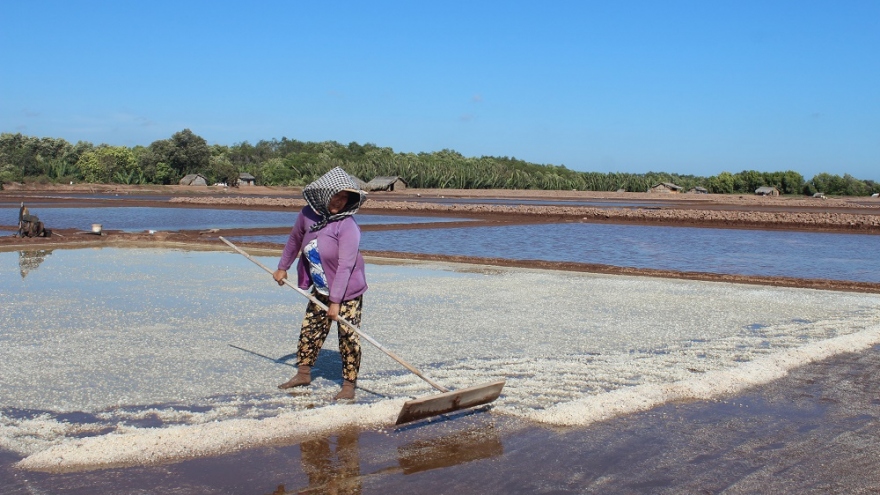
318, 194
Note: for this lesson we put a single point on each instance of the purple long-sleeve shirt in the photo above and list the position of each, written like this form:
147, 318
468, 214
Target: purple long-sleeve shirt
338, 243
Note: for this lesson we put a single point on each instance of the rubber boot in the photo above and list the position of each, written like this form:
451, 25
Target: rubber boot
347, 392
302, 378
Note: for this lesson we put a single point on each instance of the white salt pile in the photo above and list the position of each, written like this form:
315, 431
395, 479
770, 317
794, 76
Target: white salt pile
115, 357
712, 384
152, 445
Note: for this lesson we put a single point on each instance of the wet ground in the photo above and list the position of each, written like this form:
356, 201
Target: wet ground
813, 431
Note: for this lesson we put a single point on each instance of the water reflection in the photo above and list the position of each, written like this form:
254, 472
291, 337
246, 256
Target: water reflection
730, 251
459, 448
29, 261
332, 464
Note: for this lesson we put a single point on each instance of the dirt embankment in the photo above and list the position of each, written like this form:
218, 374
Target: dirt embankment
856, 215
733, 212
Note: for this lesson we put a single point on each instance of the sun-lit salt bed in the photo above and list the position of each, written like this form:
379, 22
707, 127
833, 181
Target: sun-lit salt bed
127, 356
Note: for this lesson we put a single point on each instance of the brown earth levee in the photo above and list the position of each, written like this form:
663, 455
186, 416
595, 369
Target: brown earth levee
758, 214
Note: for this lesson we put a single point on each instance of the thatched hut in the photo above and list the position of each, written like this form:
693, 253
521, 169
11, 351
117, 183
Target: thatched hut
387, 184
767, 191
360, 183
246, 179
194, 180
665, 187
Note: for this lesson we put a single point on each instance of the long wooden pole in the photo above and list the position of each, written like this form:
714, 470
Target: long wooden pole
341, 320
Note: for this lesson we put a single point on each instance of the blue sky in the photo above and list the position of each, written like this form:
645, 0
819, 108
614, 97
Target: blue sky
690, 87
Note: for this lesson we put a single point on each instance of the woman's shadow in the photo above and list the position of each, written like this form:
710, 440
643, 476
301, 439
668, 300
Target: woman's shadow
328, 365
328, 361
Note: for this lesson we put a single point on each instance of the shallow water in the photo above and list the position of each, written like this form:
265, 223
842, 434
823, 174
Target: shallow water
109, 355
137, 219
727, 251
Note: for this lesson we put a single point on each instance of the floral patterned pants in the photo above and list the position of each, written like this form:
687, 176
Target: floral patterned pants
316, 326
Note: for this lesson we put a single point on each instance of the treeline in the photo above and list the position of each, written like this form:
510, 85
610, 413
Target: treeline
289, 162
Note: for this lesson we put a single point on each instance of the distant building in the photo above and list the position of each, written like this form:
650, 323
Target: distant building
357, 180
767, 191
387, 184
698, 190
246, 179
194, 180
665, 187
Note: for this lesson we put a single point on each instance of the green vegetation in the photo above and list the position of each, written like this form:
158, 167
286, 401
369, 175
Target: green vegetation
290, 162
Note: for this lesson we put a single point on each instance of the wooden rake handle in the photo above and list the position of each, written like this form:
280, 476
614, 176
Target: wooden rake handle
342, 320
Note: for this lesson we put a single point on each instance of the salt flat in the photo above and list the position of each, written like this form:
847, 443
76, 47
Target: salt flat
158, 354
